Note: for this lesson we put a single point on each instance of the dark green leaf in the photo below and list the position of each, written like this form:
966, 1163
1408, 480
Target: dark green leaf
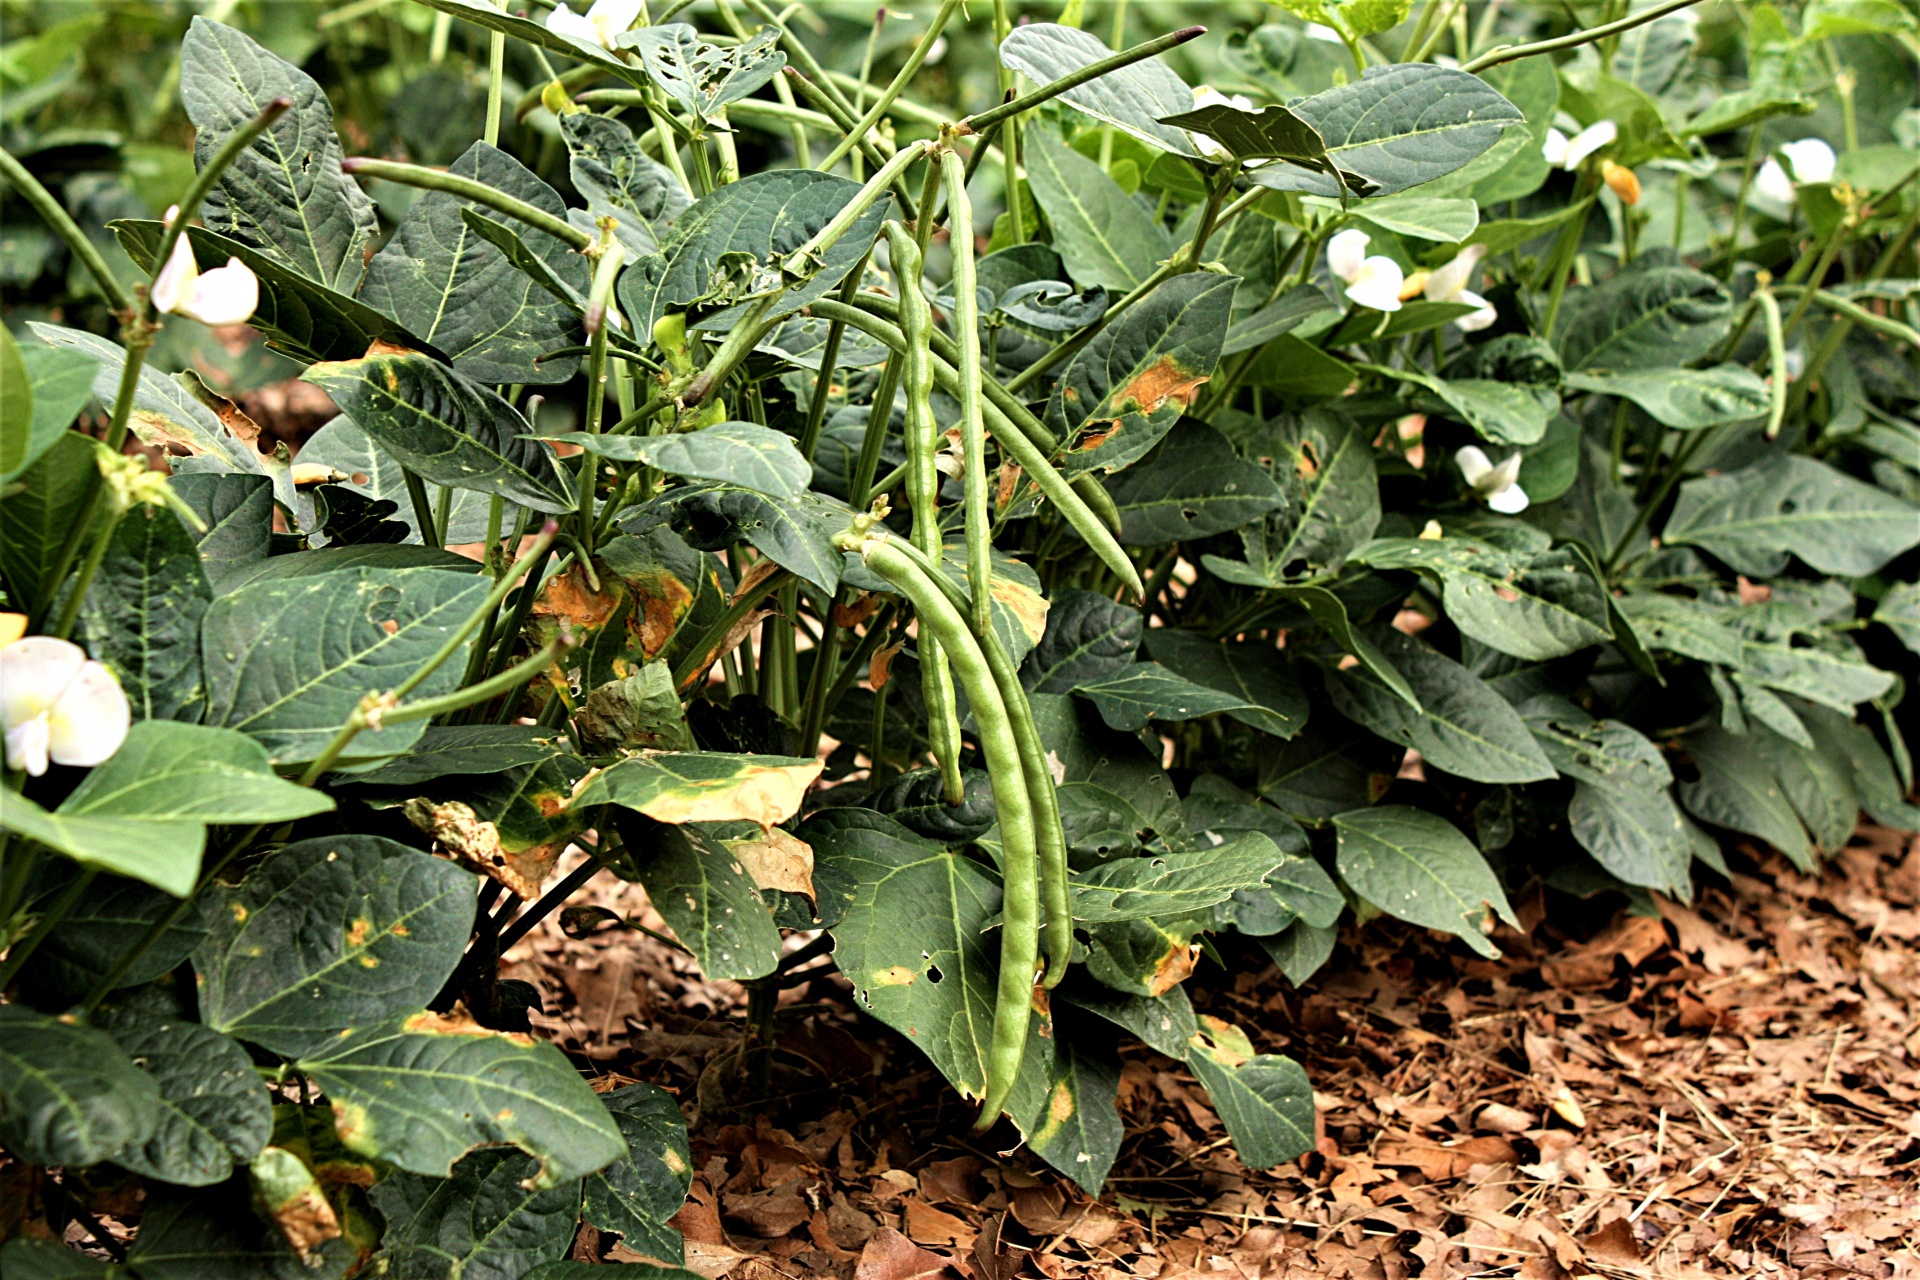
328, 935
1324, 466
1299, 371
446, 427
374, 473
1089, 637
142, 614
1685, 626
1622, 811
764, 216
1536, 605
1145, 691
213, 1231
1134, 98
1146, 957
1737, 790
1402, 125
738, 453
238, 513
1104, 235
635, 1196
24, 1259
1282, 315
1265, 1100
1192, 485
1462, 726
61, 383
1077, 1128
1301, 949
1657, 317
467, 750
1417, 866
1255, 673
706, 897
620, 180
1329, 768
286, 194
97, 932
796, 534
1755, 517
214, 1109
1873, 777
1114, 796
480, 1222
1164, 1023
1128, 386
68, 1095
459, 292
373, 555
288, 660
1173, 884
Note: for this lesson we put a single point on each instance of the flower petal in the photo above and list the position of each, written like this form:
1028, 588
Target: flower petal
1555, 147
1448, 283
227, 295
1377, 284
1473, 463
1510, 501
27, 746
1772, 185
90, 721
1475, 321
1503, 476
173, 287
1346, 253
1589, 140
565, 22
34, 672
1811, 160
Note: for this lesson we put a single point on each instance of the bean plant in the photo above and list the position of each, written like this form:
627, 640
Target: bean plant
1014, 557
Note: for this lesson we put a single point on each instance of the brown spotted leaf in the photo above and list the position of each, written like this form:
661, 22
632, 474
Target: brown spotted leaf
703, 786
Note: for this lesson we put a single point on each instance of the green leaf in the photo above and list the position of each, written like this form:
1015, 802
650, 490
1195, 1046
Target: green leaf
467, 750
61, 383
1254, 673
765, 217
238, 513
701, 77
1402, 125
1265, 1101
1128, 386
1462, 726
214, 1110
1589, 95
481, 1221
446, 427
459, 292
1537, 605
1417, 866
1089, 637
1655, 317
68, 1095
1134, 99
165, 412
1622, 811
619, 180
97, 931
1874, 780
1823, 19
1753, 518
287, 661
1794, 655
1737, 790
1173, 884
1192, 485
1271, 133
372, 555
1145, 691
214, 1231
1300, 371
1687, 399
796, 534
482, 13
285, 195
636, 1195
737, 453
1817, 782
329, 936
1685, 626
1324, 466
16, 408
374, 473
1285, 313
1077, 1129
167, 770
706, 897
511, 826
1103, 234
1301, 949
1899, 612
24, 1259
1503, 412
1164, 1023
1114, 796
703, 786
1145, 957
911, 941
1214, 807
142, 613
1330, 767
162, 853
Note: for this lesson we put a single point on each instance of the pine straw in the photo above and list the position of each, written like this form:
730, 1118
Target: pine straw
1726, 1090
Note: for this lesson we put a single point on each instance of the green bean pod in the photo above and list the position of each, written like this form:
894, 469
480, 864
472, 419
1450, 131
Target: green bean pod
1020, 903
973, 426
1025, 453
923, 493
1050, 838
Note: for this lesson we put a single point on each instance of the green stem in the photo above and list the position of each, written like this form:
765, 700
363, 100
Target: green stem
22, 950
907, 72
96, 553
55, 216
829, 359
706, 650
422, 506
981, 122
413, 175
481, 614
496, 74
1513, 53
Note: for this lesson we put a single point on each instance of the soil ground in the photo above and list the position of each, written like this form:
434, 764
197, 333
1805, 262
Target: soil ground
1722, 1089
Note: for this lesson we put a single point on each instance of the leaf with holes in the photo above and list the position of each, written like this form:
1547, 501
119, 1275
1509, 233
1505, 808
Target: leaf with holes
1533, 605
1755, 517
738, 453
1173, 884
703, 78
706, 897
635, 1196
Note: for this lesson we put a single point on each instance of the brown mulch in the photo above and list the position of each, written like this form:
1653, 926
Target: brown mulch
1726, 1089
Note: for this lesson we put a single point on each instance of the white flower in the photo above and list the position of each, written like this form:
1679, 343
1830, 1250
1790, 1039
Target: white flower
1207, 96
1321, 31
225, 295
1563, 152
605, 22
1372, 282
1810, 159
1449, 284
1772, 188
1498, 486
59, 705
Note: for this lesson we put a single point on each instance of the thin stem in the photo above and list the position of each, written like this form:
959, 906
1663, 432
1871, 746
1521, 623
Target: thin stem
413, 175
483, 612
1573, 40
496, 74
422, 506
550, 901
704, 651
19, 953
55, 216
907, 72
987, 120
96, 554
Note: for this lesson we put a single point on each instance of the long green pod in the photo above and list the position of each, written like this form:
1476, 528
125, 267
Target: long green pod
923, 492
973, 425
1020, 903
1025, 453
1050, 837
